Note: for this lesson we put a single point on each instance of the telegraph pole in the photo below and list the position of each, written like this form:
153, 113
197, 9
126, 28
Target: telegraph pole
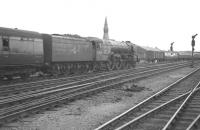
193, 44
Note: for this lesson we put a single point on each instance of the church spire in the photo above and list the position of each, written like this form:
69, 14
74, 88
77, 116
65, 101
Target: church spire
105, 30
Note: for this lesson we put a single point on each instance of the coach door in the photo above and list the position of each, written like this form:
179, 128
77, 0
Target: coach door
4, 50
5, 46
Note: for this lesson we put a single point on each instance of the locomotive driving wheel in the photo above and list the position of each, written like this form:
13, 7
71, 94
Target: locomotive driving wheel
110, 65
93, 67
118, 64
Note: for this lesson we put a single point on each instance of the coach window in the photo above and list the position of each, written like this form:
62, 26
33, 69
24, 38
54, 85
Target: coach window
5, 44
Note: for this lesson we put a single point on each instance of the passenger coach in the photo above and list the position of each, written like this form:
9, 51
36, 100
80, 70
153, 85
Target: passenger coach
21, 52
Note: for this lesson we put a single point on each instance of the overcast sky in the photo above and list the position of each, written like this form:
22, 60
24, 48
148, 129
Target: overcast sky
154, 23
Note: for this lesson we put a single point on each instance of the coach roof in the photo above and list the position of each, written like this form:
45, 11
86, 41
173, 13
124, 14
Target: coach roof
19, 33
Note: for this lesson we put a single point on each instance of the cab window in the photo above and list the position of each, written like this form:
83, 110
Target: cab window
96, 45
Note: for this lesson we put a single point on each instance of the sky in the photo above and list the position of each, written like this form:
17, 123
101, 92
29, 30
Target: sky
153, 23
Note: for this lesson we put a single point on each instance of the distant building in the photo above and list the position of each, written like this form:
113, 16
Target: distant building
105, 30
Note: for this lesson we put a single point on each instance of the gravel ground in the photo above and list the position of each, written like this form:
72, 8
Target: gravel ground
90, 112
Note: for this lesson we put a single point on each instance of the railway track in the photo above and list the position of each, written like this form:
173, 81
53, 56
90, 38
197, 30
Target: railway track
7, 90
16, 106
80, 85
33, 79
187, 112
176, 114
195, 124
168, 109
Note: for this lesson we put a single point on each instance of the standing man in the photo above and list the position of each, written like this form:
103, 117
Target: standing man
193, 44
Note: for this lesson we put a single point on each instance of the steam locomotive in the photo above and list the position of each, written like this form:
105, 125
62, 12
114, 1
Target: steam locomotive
23, 53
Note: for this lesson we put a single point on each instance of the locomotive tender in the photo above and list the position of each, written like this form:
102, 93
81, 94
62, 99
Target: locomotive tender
25, 52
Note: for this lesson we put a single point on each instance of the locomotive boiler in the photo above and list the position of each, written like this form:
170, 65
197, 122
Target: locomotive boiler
122, 54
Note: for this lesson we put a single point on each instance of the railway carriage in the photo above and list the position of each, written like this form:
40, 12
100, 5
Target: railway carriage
154, 54
159, 55
171, 56
21, 52
187, 55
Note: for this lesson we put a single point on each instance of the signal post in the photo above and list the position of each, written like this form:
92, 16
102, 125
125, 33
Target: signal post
193, 44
